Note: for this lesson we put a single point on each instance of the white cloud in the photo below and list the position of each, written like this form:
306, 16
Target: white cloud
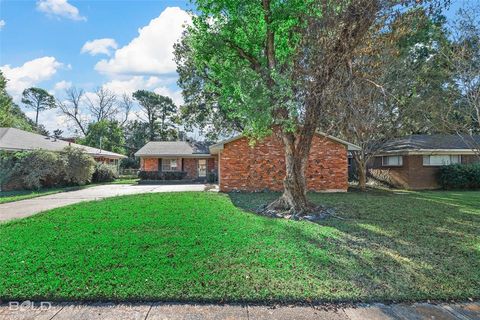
29, 74
176, 96
2, 24
62, 85
60, 8
51, 119
99, 46
155, 84
151, 52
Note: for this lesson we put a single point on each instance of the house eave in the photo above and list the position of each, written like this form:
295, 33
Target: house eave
428, 152
95, 155
218, 147
173, 155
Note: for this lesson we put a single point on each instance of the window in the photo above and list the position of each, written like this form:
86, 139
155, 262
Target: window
169, 165
441, 160
392, 161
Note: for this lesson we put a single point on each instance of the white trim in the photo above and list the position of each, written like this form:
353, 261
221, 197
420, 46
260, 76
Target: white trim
170, 170
443, 164
197, 155
105, 155
429, 152
400, 161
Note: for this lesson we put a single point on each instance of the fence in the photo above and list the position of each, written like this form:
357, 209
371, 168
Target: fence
129, 172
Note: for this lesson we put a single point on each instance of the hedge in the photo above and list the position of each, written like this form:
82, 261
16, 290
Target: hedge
159, 175
104, 173
42, 169
460, 176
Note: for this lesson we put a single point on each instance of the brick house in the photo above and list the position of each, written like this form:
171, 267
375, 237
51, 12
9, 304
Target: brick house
243, 167
12, 140
194, 158
413, 162
262, 166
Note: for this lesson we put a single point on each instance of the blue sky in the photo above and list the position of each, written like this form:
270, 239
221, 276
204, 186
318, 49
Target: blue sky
41, 45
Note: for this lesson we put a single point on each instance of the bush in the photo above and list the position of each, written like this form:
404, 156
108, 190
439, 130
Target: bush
460, 176
130, 163
44, 169
212, 177
79, 166
104, 173
158, 175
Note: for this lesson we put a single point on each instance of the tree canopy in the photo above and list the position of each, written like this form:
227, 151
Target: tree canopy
10, 114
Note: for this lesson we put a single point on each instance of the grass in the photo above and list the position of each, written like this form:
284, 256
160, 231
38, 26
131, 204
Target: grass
125, 180
11, 196
206, 247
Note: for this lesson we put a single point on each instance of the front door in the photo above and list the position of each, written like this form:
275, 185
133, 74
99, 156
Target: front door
202, 168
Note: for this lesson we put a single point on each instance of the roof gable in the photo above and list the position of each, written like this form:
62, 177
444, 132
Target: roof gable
351, 147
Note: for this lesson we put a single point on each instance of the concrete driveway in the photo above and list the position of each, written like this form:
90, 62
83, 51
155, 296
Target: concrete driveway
29, 207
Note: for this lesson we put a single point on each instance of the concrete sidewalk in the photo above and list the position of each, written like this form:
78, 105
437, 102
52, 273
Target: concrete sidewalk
155, 311
25, 208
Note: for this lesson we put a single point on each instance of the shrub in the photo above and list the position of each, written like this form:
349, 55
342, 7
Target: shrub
104, 173
32, 169
212, 177
43, 169
79, 166
159, 175
460, 176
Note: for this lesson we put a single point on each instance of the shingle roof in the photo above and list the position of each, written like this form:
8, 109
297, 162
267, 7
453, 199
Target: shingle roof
173, 148
215, 148
12, 139
432, 142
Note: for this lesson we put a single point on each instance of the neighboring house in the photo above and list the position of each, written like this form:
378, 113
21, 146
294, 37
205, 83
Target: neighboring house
242, 167
12, 139
413, 162
194, 158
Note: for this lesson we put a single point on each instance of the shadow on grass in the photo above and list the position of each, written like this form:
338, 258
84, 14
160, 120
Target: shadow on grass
406, 246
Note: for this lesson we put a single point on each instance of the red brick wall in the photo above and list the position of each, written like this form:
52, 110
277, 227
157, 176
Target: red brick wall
412, 174
263, 166
212, 164
149, 164
190, 166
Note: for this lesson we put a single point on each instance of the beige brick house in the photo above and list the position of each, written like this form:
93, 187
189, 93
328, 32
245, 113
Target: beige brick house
243, 167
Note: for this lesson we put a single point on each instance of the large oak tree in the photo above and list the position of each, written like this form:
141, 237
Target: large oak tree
269, 64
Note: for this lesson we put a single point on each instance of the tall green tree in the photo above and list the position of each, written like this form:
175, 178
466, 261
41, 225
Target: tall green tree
105, 134
10, 114
160, 112
38, 99
269, 64
136, 135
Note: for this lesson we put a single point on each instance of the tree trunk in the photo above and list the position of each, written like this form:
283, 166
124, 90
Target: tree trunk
36, 119
294, 197
362, 177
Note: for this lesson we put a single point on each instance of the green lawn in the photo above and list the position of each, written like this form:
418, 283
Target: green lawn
10, 196
205, 247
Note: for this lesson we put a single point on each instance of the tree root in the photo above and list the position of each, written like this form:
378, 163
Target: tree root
280, 208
